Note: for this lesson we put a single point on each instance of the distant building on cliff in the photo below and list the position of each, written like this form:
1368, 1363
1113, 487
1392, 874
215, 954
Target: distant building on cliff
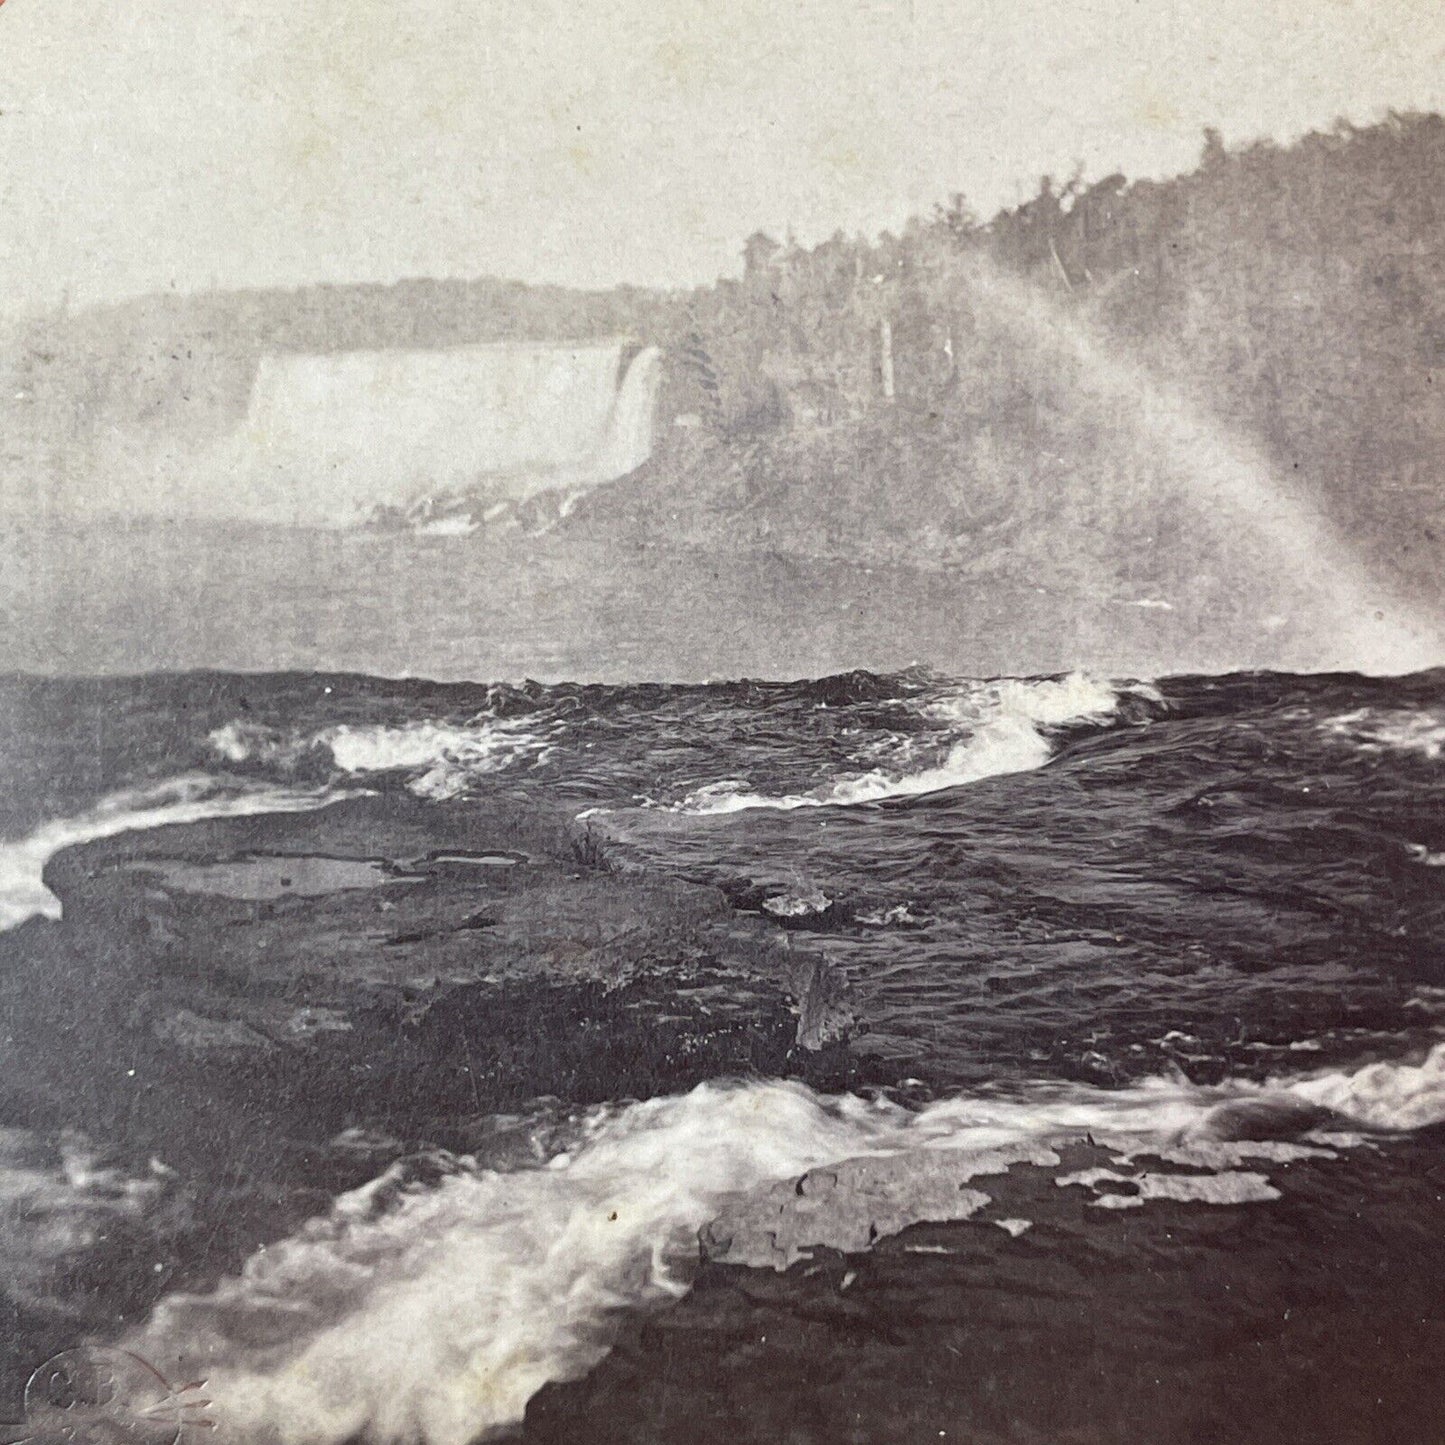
760, 253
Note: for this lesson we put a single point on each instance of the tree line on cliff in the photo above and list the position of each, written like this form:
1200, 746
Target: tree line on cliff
1293, 294
866, 397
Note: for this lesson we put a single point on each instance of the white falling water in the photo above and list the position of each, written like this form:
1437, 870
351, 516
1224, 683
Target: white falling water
629, 429
328, 438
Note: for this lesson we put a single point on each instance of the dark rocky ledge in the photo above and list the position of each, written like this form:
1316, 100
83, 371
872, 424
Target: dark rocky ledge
271, 1008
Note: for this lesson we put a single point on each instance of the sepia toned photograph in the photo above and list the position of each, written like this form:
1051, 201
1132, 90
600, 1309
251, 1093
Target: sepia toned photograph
722, 723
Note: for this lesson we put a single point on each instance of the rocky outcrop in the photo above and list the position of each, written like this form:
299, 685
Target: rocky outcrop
252, 1014
386, 955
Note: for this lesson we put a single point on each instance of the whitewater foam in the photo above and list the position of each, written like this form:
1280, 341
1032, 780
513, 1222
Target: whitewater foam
433, 1313
439, 1317
189, 798
982, 730
1231, 1186
444, 758
1395, 730
1384, 1095
441, 758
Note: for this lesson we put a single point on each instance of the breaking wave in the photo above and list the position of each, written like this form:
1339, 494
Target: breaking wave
433, 1311
983, 730
440, 758
185, 799
63, 1198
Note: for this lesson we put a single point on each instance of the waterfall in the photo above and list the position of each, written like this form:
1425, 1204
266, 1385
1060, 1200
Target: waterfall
328, 439
629, 429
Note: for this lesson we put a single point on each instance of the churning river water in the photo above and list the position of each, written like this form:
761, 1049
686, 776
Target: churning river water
1192, 927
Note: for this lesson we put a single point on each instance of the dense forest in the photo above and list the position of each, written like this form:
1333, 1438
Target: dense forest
1290, 297
988, 395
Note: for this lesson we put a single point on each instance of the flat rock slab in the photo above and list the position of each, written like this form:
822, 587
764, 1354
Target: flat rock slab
229, 1010
421, 949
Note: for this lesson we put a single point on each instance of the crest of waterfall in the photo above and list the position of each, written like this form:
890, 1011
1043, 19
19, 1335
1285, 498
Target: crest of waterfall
330, 439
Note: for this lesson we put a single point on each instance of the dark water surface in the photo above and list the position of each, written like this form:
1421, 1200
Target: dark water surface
1076, 915
134, 596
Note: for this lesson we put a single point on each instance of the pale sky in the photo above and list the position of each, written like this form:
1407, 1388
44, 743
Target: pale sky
158, 144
